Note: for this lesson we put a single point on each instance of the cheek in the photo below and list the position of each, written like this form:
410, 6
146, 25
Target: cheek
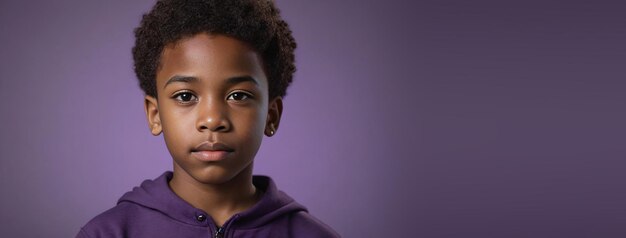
252, 123
176, 129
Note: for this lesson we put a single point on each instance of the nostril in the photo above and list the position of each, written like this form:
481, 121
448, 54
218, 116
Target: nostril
213, 126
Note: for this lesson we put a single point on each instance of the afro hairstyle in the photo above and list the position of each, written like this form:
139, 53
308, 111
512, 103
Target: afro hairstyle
255, 22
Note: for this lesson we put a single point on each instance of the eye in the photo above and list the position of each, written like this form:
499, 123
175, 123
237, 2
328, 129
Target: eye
239, 96
185, 97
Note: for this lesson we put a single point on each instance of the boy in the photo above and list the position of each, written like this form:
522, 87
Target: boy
214, 74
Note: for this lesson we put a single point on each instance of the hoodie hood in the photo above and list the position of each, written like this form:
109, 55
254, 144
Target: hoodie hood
156, 195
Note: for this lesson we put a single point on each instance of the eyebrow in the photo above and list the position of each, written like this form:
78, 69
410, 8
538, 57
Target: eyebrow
180, 78
230, 81
241, 79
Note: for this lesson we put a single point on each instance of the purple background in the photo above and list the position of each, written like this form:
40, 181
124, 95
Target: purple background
406, 118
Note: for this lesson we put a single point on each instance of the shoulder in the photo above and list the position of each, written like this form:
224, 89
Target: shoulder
304, 224
113, 222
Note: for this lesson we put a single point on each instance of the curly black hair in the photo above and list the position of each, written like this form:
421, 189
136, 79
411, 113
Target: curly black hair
256, 22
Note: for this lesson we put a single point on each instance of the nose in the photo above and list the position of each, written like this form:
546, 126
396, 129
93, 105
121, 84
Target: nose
212, 116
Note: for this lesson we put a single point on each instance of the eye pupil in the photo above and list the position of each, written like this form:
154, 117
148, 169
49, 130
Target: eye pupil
185, 96
238, 96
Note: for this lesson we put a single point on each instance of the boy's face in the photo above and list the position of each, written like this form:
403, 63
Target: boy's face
213, 106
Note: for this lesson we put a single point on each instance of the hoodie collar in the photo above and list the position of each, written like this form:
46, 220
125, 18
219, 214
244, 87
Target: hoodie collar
156, 194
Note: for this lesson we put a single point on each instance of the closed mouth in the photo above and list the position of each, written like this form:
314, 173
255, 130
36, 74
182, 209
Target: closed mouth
210, 155
215, 147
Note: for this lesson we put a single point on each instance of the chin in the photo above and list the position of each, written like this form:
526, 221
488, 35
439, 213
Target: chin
216, 174
212, 175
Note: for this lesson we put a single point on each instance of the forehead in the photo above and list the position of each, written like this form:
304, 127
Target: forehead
209, 57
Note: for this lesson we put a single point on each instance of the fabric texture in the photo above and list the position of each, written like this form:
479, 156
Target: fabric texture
154, 210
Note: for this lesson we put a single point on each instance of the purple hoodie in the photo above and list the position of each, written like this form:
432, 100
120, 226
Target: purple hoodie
153, 210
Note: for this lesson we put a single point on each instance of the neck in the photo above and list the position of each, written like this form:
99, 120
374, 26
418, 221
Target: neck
220, 200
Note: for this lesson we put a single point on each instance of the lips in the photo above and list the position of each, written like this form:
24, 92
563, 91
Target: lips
210, 152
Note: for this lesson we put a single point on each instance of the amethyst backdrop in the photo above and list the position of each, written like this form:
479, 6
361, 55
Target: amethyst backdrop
405, 119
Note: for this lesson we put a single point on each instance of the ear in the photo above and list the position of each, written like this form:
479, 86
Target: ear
274, 111
151, 105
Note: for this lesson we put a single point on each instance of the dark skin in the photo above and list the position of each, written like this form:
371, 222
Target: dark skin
213, 108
